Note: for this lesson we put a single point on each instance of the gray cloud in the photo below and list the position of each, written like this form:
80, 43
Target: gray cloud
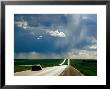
78, 32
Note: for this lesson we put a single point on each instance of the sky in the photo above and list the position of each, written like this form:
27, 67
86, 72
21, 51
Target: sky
55, 36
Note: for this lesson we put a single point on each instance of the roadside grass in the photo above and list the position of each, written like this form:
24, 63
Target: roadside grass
18, 68
42, 62
87, 67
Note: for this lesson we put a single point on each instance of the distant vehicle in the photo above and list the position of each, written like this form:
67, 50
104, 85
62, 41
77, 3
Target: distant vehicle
36, 67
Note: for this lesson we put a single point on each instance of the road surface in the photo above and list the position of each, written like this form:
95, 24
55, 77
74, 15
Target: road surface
48, 71
71, 71
63, 70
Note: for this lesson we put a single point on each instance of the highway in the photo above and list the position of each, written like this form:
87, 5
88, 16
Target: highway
63, 70
48, 71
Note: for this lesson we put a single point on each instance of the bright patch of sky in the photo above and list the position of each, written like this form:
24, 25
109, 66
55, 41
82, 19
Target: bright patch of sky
55, 36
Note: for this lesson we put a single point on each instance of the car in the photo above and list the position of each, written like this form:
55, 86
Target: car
36, 67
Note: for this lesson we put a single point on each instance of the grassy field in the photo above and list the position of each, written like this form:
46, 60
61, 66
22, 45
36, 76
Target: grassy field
42, 62
87, 67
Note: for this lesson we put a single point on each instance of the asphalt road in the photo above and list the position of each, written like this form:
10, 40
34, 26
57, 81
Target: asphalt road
71, 71
63, 70
48, 71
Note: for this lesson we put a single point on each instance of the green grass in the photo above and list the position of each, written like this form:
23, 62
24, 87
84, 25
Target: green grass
18, 68
42, 62
87, 67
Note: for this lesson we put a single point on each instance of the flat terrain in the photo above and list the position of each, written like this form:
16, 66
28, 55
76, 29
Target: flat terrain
88, 67
48, 71
63, 70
